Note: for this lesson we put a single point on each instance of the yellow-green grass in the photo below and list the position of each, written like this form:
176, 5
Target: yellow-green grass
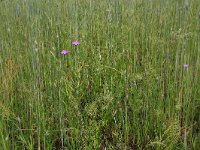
124, 87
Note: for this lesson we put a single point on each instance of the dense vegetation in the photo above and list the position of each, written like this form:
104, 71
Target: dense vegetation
132, 83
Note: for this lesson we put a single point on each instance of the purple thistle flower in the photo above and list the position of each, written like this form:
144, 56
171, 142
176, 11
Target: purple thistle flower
185, 66
76, 43
64, 52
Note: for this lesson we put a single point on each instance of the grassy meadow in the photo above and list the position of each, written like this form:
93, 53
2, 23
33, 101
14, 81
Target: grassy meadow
133, 82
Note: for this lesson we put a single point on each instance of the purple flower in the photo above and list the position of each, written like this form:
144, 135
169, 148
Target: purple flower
185, 66
64, 52
76, 43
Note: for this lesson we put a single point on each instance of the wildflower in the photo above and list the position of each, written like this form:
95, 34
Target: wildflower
46, 133
185, 66
76, 43
134, 83
64, 52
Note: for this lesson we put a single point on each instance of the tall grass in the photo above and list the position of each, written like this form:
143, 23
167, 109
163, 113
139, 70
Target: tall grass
124, 87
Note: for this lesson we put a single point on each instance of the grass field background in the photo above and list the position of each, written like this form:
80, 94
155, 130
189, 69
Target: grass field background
125, 87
